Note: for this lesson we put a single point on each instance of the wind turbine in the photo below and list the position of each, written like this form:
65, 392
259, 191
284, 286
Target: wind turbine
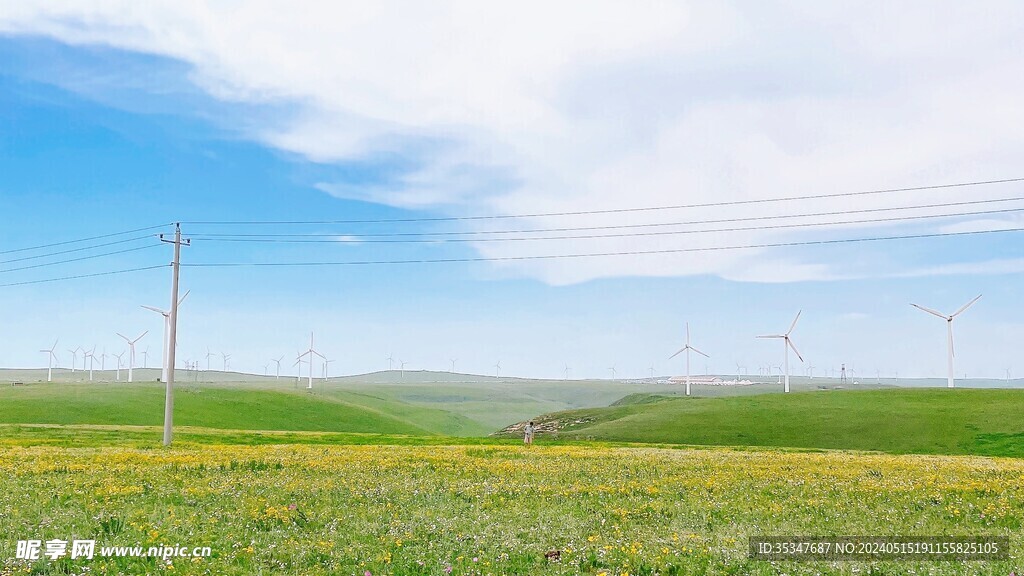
687, 349
103, 360
266, 368
167, 333
652, 372
613, 372
225, 358
391, 362
497, 369
402, 363
298, 362
119, 364
453, 365
74, 358
208, 355
278, 362
91, 355
145, 358
326, 363
131, 355
566, 373
311, 352
787, 343
51, 358
949, 331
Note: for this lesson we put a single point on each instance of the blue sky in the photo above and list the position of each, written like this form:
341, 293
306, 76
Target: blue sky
115, 119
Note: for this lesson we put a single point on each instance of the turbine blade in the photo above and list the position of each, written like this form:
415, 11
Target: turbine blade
154, 309
772, 336
182, 299
930, 311
965, 307
123, 336
681, 350
790, 342
699, 352
319, 354
793, 325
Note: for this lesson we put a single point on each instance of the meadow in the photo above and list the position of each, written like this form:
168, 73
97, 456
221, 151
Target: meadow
392, 509
402, 477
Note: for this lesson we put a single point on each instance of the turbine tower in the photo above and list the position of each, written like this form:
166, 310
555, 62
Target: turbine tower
131, 347
74, 358
91, 355
311, 352
120, 363
402, 363
51, 358
278, 362
787, 343
167, 332
497, 369
687, 349
949, 331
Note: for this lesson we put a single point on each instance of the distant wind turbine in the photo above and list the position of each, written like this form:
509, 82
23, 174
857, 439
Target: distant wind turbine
613, 372
278, 361
687, 349
497, 369
91, 355
566, 373
391, 362
167, 334
131, 347
208, 355
453, 365
949, 331
74, 358
120, 363
402, 363
51, 358
311, 352
225, 358
787, 343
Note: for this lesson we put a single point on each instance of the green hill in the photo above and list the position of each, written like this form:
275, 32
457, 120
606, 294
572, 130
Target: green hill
930, 421
141, 404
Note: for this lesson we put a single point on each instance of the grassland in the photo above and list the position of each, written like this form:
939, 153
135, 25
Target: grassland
923, 421
297, 509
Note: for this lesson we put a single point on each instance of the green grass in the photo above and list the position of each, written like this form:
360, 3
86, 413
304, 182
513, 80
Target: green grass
499, 510
141, 404
924, 421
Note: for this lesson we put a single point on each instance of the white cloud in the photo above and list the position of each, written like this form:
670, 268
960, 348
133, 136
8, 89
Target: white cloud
534, 107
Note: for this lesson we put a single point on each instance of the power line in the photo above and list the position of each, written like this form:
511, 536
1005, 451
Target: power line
617, 226
68, 261
619, 235
93, 275
610, 210
601, 254
66, 242
82, 249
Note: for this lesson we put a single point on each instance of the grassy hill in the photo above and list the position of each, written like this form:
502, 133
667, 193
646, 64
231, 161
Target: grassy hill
929, 421
141, 404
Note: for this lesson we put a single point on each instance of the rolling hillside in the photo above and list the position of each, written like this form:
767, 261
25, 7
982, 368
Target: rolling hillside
929, 421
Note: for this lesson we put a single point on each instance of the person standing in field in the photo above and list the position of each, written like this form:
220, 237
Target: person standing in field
528, 431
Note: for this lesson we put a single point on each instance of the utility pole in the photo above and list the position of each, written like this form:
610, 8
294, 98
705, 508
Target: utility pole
173, 338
